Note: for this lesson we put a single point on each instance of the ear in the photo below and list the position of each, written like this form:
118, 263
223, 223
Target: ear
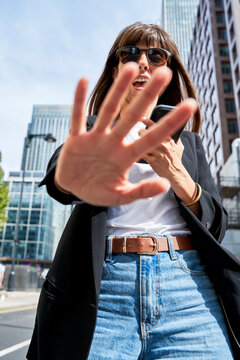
114, 72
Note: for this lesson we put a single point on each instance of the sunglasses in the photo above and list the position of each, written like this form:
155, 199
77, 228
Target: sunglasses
155, 56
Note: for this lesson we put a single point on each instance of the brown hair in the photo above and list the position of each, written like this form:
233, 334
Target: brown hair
180, 86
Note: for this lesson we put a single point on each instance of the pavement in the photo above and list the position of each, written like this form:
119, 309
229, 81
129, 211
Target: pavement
11, 301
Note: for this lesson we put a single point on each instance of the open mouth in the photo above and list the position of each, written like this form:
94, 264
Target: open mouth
140, 82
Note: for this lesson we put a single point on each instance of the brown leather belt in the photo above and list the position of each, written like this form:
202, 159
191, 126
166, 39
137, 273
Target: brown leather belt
149, 245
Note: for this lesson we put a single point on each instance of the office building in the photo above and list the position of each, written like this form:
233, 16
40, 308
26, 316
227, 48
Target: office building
210, 69
42, 219
229, 189
232, 16
54, 119
178, 19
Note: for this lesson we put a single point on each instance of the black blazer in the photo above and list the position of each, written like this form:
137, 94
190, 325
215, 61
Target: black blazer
67, 309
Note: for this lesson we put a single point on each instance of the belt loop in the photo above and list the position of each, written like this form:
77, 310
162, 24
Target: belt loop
172, 252
108, 256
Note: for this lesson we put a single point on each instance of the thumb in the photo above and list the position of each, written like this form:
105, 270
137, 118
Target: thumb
144, 189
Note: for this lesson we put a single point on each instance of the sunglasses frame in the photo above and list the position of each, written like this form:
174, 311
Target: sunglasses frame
147, 54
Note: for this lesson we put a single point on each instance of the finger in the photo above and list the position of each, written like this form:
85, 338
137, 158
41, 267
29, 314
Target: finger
112, 102
78, 119
144, 189
148, 122
167, 126
136, 110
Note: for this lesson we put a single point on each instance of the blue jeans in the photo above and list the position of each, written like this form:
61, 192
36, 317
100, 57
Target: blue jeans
158, 307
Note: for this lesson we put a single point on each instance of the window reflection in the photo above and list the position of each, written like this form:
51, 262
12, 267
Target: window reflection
31, 251
23, 216
33, 233
22, 233
12, 215
14, 200
37, 199
7, 248
35, 217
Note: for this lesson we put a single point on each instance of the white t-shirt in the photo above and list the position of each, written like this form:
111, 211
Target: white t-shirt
157, 215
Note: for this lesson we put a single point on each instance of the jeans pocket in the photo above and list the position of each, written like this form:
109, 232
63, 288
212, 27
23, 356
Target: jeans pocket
191, 263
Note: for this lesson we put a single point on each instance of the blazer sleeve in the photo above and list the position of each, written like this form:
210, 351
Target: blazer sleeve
48, 180
213, 215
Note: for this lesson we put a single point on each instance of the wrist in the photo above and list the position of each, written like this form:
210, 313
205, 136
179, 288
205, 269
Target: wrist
185, 188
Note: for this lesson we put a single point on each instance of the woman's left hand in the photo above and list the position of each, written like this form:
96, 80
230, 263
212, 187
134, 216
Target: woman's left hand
166, 159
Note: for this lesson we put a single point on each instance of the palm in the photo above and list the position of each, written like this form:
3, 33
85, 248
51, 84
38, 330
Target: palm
93, 165
92, 171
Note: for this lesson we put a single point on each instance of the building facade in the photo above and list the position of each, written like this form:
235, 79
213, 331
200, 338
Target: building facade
229, 189
42, 219
54, 119
210, 69
232, 16
178, 19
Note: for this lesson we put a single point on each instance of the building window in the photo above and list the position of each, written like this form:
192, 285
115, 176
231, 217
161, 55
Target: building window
10, 230
14, 200
35, 217
25, 200
229, 13
237, 74
213, 98
219, 156
33, 233
27, 187
37, 199
232, 126
234, 52
222, 34
12, 215
211, 78
227, 86
217, 135
230, 106
31, 251
226, 68
7, 248
22, 233
223, 50
220, 18
16, 186
218, 3
214, 115
24, 217
232, 32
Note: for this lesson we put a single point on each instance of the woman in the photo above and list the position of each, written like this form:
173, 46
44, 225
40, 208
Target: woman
147, 219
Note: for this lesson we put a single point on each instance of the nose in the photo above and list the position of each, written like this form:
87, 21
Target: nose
143, 61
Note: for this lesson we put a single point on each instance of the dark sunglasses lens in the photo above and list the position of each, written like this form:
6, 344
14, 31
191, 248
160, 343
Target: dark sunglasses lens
157, 56
129, 54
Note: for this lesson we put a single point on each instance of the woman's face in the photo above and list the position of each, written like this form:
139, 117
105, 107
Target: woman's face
144, 75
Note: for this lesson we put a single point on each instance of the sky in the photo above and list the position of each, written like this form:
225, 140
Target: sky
46, 46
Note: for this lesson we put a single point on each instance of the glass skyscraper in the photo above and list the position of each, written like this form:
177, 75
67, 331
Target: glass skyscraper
46, 119
178, 19
42, 219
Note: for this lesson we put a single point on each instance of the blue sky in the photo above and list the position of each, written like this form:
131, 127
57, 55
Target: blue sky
45, 47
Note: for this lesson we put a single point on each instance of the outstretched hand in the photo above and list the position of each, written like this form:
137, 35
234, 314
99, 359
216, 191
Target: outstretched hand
93, 165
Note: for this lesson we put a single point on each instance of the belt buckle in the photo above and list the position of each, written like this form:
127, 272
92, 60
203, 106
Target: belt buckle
155, 244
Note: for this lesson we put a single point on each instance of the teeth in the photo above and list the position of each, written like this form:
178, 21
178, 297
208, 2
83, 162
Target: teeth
141, 80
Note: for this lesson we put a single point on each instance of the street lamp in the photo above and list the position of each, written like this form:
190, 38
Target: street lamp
49, 138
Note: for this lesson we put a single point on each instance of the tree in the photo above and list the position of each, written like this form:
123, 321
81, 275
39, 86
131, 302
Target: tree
4, 196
